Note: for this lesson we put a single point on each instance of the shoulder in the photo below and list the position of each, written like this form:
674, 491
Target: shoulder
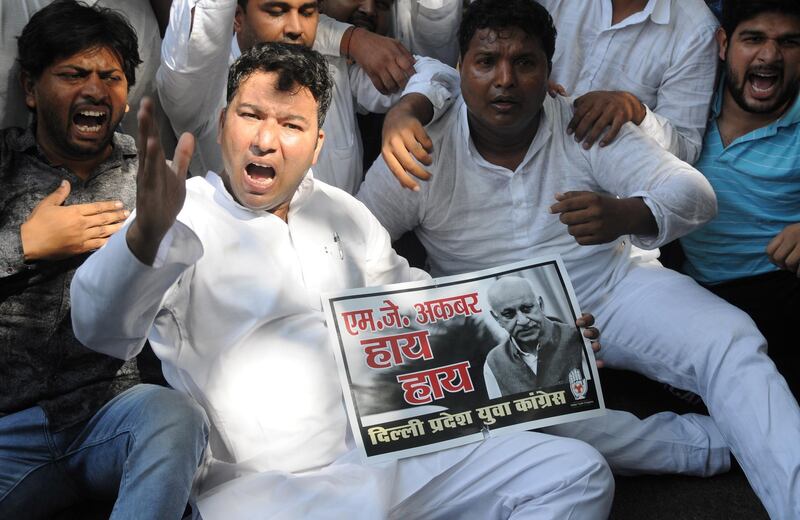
689, 17
337, 203
499, 351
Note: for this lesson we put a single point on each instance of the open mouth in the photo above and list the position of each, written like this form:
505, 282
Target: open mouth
260, 175
90, 121
763, 83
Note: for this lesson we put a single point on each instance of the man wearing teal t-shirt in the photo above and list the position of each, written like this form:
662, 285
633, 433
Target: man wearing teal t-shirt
750, 253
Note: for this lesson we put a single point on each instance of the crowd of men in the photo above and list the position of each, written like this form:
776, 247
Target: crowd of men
110, 254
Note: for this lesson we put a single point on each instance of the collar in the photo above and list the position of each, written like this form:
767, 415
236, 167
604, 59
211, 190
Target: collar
122, 147
657, 10
542, 136
790, 117
521, 352
299, 198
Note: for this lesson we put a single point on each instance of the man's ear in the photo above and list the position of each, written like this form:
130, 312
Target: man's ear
29, 87
722, 41
238, 19
540, 301
318, 147
221, 124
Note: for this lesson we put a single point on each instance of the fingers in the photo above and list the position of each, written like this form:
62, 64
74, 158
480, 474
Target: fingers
591, 333
106, 218
603, 121
183, 155
94, 244
404, 59
401, 68
613, 131
586, 320
104, 231
94, 208
399, 171
58, 197
586, 122
570, 201
556, 89
145, 120
786, 255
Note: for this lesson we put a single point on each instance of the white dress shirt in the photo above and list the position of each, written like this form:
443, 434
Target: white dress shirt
666, 55
232, 308
195, 57
474, 215
428, 27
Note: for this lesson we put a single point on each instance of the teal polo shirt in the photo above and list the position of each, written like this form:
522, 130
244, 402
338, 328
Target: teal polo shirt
757, 182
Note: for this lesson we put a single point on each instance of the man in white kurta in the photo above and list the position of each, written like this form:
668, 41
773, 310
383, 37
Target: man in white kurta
475, 214
195, 56
230, 300
664, 54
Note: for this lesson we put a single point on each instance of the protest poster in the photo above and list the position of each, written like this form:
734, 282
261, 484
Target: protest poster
439, 363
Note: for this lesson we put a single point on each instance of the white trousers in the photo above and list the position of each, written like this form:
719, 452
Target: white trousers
520, 476
665, 326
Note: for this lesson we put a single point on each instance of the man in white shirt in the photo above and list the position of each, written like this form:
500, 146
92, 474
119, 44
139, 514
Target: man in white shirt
198, 48
503, 159
651, 62
227, 285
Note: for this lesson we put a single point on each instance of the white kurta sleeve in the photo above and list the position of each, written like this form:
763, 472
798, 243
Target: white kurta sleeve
436, 81
193, 74
115, 298
678, 120
383, 264
396, 208
680, 197
329, 35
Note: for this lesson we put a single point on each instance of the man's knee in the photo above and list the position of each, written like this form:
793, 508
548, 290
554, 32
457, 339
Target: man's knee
172, 419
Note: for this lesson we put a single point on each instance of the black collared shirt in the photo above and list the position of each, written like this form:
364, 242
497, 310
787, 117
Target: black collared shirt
41, 362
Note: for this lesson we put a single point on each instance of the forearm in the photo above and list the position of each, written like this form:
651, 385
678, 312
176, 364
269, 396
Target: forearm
194, 62
636, 216
115, 298
437, 85
679, 197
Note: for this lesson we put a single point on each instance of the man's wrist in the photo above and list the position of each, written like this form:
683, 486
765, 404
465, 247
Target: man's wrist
143, 244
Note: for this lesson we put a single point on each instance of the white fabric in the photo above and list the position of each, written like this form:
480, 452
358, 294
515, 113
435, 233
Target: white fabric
425, 27
233, 312
459, 238
428, 27
474, 215
666, 55
192, 81
491, 480
13, 17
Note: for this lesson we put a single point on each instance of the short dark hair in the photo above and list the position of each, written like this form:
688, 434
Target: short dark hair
243, 4
67, 27
735, 12
296, 65
526, 15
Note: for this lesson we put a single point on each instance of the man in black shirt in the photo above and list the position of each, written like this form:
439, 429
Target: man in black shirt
76, 424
